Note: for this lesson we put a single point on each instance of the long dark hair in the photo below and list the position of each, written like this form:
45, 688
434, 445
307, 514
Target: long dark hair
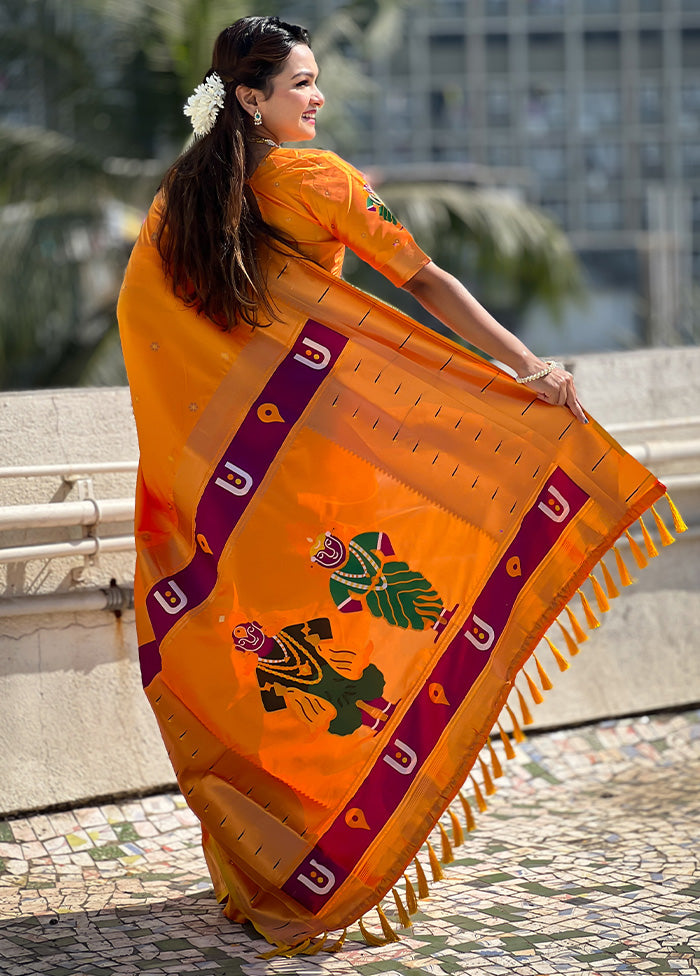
212, 236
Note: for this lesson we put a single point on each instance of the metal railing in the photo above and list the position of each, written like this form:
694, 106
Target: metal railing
89, 513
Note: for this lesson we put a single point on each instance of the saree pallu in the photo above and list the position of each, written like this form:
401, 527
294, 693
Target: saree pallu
352, 534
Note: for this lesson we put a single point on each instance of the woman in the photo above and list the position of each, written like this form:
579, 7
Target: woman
351, 533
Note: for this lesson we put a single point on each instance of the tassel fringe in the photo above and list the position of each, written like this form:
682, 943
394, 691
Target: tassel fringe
423, 890
571, 645
678, 523
435, 866
404, 917
495, 761
648, 541
478, 796
613, 591
542, 675
562, 663
518, 733
579, 633
447, 854
468, 815
370, 939
505, 739
639, 556
411, 899
488, 782
457, 832
666, 537
591, 618
534, 691
600, 597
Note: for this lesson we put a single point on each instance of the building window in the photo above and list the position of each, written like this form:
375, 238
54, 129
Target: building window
447, 54
690, 48
600, 109
496, 53
650, 101
546, 52
690, 107
546, 109
500, 154
650, 50
548, 162
601, 51
498, 106
603, 214
546, 6
603, 162
690, 156
601, 6
651, 159
496, 8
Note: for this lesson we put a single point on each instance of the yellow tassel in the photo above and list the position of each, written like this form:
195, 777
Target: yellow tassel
389, 933
277, 951
571, 645
370, 939
666, 537
518, 733
507, 744
411, 899
609, 582
404, 917
457, 832
434, 863
447, 857
678, 523
591, 618
468, 815
579, 633
338, 945
639, 556
543, 676
524, 710
534, 691
479, 796
488, 782
600, 597
300, 950
625, 577
648, 541
423, 890
317, 946
495, 761
562, 663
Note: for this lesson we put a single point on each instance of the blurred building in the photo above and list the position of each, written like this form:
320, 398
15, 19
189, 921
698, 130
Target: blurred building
597, 101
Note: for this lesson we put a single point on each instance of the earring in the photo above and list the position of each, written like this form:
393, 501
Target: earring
257, 117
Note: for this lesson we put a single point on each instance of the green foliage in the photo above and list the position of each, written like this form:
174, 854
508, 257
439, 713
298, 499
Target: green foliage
100, 86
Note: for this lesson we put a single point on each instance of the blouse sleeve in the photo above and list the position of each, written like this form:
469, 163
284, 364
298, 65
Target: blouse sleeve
341, 200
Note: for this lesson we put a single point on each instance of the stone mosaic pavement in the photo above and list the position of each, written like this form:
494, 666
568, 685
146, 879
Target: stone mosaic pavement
587, 862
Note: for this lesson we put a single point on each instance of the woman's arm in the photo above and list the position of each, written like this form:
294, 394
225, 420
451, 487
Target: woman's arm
448, 300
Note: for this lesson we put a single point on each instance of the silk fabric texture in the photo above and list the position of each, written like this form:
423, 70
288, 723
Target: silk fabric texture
351, 535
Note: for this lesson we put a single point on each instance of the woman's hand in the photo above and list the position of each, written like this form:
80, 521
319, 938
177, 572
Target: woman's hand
558, 388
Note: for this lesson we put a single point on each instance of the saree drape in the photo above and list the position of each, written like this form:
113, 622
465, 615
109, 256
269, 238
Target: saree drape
351, 534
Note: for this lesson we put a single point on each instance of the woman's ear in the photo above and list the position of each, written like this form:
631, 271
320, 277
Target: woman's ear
248, 98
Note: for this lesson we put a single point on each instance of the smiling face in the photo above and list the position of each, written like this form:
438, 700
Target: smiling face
289, 109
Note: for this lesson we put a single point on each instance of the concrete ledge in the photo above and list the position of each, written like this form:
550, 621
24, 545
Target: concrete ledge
75, 723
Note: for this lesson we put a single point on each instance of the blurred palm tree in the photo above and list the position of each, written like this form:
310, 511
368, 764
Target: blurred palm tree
79, 162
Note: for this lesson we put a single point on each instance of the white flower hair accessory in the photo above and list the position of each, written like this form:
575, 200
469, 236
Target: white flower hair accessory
204, 106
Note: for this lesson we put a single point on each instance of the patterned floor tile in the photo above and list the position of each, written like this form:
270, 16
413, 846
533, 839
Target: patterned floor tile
586, 864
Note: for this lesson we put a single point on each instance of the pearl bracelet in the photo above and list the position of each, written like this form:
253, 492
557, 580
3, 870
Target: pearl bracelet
550, 364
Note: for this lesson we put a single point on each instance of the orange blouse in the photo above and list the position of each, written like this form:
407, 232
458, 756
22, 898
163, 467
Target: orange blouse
326, 205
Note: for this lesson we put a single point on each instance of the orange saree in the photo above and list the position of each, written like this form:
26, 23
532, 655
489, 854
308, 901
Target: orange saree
352, 535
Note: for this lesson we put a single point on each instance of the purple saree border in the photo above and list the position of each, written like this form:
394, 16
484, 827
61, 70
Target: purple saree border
236, 478
329, 864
